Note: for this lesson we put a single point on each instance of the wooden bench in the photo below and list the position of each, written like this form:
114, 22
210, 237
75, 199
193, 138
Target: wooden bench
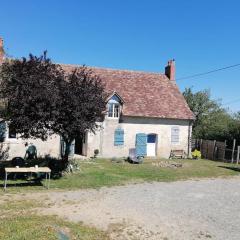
177, 154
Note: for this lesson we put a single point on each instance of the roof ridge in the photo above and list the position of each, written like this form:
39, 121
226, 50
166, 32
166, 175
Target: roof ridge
112, 69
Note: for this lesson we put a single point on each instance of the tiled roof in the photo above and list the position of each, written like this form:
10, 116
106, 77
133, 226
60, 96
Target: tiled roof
144, 94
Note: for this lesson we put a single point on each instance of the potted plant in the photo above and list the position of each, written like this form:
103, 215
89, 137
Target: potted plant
96, 152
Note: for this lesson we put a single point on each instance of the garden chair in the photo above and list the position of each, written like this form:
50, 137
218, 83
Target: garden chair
133, 158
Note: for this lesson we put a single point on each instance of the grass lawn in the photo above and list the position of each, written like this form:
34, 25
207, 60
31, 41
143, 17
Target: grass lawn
19, 219
103, 172
19, 222
21, 227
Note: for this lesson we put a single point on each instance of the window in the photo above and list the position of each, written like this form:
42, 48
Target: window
175, 135
114, 106
151, 138
118, 137
3, 128
11, 132
113, 110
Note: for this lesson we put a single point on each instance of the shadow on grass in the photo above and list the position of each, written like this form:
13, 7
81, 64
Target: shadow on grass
28, 183
237, 169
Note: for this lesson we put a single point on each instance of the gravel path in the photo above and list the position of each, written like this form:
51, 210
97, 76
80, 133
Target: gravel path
204, 209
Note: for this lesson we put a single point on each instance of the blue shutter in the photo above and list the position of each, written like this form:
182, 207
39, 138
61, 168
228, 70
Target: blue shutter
141, 144
63, 147
118, 137
3, 129
72, 149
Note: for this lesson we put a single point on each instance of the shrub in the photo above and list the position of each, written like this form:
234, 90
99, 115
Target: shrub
73, 166
196, 154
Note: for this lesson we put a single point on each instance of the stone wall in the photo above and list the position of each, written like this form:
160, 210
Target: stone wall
50, 147
104, 138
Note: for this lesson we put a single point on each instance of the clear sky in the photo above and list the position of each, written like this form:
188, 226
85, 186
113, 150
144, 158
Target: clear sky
133, 34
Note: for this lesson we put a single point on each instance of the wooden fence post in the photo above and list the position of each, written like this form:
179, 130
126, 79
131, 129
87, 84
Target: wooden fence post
225, 145
238, 153
207, 149
234, 143
214, 149
201, 145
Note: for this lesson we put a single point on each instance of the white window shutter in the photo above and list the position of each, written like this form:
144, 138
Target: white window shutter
175, 135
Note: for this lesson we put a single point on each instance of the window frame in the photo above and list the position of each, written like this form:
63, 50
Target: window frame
113, 115
8, 138
174, 128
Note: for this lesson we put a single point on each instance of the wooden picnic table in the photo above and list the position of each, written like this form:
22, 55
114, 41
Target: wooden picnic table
28, 170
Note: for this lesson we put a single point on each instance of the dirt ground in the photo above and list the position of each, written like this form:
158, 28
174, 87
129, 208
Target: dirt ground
204, 209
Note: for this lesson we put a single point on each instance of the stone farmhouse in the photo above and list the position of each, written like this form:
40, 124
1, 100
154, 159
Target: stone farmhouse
147, 114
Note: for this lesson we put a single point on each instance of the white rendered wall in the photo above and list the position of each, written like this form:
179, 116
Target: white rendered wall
104, 138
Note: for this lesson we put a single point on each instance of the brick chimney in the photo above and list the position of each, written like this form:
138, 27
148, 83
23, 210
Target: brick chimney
170, 70
1, 51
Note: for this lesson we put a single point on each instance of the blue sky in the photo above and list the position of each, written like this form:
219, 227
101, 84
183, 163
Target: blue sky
130, 34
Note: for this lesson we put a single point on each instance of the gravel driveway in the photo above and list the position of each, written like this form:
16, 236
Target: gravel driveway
204, 209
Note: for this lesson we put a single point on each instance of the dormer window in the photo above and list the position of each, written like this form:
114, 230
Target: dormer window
113, 110
114, 106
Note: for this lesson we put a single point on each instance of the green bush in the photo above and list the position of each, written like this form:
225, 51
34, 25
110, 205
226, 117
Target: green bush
196, 154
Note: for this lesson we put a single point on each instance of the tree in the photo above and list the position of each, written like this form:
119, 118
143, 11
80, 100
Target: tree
41, 99
200, 103
234, 128
82, 103
212, 121
27, 88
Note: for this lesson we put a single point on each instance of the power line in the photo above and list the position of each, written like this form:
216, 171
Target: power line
230, 102
208, 72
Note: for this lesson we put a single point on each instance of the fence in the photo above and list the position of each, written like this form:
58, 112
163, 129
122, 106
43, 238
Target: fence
216, 150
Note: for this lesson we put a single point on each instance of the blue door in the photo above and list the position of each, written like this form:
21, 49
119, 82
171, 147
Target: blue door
141, 144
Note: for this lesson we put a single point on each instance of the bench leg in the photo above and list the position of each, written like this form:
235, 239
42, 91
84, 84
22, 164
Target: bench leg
5, 181
49, 175
46, 180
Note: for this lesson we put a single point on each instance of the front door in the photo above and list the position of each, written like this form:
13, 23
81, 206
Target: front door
151, 145
141, 144
79, 145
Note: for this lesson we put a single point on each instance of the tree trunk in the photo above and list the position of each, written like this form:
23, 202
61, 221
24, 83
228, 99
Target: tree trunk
66, 153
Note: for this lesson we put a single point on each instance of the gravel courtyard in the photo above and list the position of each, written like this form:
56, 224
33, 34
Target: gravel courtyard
204, 209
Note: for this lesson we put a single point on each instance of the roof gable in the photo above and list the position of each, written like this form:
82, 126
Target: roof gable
115, 98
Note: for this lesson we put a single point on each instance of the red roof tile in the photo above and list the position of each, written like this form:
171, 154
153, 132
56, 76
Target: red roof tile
144, 94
